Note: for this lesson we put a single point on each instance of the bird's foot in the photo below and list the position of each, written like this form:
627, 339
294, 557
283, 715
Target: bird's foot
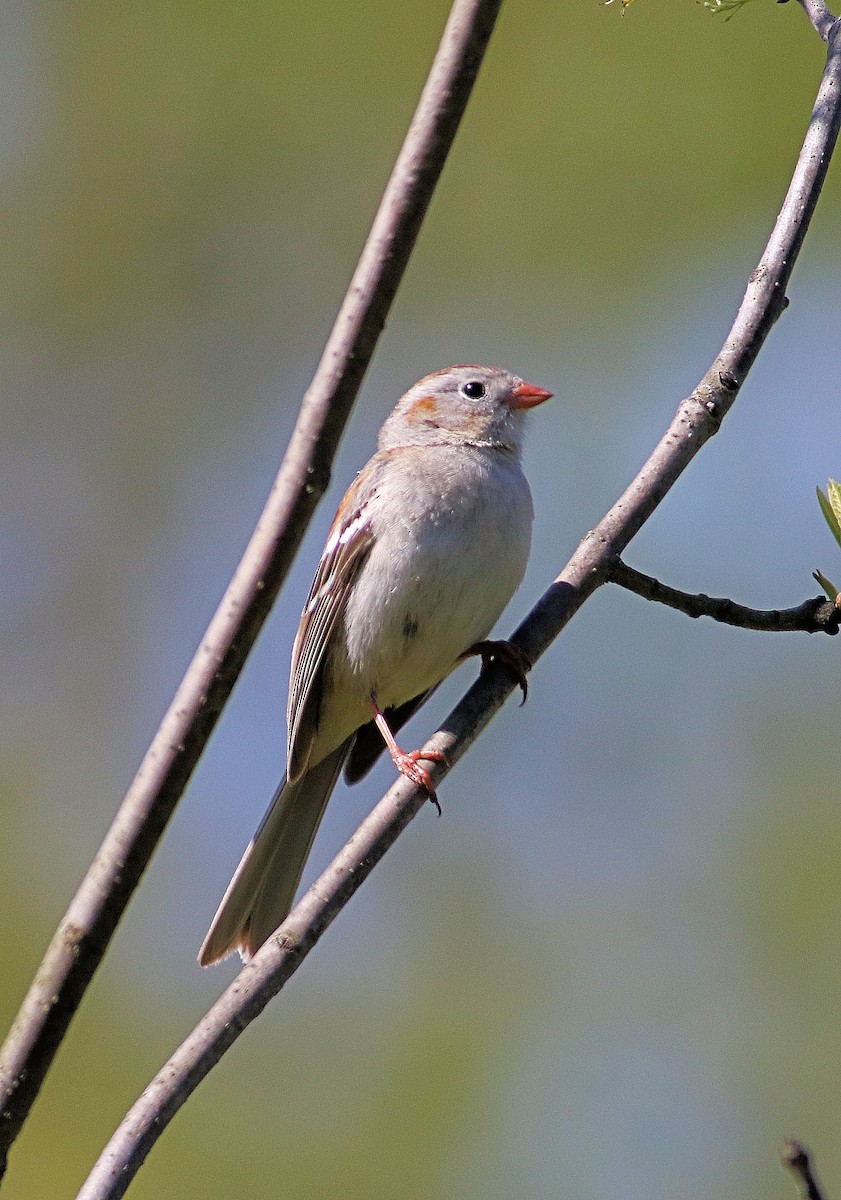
509, 655
408, 762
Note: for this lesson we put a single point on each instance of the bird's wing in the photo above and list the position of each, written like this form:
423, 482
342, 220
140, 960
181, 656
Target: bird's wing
348, 545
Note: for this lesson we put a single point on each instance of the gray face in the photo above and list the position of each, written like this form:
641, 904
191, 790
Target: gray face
462, 405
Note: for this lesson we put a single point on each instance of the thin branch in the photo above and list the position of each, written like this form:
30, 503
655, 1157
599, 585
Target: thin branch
820, 16
795, 1156
818, 615
697, 419
85, 931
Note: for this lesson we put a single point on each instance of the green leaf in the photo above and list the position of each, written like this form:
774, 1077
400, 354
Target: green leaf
833, 491
830, 588
728, 8
831, 508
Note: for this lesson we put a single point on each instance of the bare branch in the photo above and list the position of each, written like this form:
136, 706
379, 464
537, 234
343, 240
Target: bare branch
820, 16
818, 615
697, 419
795, 1156
85, 931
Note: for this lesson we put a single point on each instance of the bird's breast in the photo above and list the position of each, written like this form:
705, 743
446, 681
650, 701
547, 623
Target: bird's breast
441, 570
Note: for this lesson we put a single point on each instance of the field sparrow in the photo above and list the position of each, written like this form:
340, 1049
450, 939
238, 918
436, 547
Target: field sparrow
427, 548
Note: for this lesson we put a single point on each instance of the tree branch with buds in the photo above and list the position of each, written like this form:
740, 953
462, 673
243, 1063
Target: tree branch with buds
796, 1157
818, 615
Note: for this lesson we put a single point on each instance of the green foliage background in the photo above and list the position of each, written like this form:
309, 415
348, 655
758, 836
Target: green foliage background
611, 970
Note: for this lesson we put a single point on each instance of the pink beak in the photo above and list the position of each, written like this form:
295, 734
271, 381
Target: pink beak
526, 395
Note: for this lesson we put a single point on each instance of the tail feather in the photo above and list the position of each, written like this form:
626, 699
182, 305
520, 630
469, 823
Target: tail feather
263, 887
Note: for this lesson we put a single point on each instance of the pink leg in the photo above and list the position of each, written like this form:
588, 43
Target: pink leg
407, 762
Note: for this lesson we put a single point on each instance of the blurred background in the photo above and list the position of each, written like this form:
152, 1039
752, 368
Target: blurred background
611, 969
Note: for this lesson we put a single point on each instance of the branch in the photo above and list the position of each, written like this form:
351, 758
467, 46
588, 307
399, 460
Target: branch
812, 616
820, 16
82, 938
795, 1156
697, 419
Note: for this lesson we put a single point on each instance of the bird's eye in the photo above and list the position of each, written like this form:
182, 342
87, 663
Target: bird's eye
473, 389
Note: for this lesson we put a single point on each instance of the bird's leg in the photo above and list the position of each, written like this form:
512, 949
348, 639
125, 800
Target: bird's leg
511, 656
407, 762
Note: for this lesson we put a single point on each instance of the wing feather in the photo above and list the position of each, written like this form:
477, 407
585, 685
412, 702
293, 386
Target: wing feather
347, 548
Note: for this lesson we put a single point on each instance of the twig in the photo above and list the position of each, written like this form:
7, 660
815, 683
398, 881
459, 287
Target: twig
85, 931
820, 16
818, 615
697, 419
795, 1156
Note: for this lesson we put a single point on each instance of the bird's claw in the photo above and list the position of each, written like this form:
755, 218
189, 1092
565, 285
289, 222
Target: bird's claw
408, 764
509, 655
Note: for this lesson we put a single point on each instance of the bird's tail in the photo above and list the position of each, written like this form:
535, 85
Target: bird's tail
263, 887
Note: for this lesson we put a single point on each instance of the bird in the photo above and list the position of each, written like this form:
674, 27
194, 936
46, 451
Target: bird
428, 545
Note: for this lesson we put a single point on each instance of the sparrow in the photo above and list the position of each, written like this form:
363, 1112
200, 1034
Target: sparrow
428, 545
